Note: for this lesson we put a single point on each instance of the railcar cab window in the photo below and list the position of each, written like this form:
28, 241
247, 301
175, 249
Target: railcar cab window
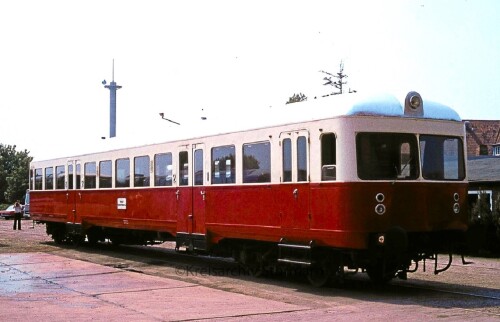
141, 171
122, 175
61, 177
257, 162
442, 158
328, 157
163, 169
90, 175
105, 174
387, 156
223, 165
49, 178
38, 179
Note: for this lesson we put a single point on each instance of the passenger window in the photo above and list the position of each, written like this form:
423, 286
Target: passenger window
223, 164
49, 178
122, 175
70, 176
198, 167
287, 160
32, 179
105, 174
163, 169
141, 171
328, 157
301, 158
61, 177
183, 168
78, 176
257, 162
38, 179
90, 175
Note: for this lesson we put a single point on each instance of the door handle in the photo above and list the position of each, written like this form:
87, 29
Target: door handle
295, 193
202, 193
177, 193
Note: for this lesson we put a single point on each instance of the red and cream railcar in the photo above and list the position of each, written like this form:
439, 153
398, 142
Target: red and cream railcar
376, 184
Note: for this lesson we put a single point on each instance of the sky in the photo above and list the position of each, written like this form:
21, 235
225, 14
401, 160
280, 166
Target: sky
221, 59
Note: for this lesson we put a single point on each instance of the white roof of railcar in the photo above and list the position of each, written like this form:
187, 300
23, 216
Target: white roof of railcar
383, 105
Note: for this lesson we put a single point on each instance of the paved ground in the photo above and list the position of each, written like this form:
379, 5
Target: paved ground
40, 281
54, 288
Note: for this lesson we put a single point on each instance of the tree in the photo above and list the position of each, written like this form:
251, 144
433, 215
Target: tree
480, 211
484, 230
339, 76
297, 98
14, 173
330, 80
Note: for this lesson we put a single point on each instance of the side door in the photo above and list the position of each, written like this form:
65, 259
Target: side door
184, 196
73, 192
294, 190
72, 195
199, 197
190, 195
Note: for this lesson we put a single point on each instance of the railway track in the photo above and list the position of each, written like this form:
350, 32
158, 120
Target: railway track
199, 267
447, 292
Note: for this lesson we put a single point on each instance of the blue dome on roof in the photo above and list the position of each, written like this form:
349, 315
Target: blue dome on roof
389, 105
383, 104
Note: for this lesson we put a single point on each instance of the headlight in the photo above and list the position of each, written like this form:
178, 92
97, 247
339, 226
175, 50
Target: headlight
380, 197
415, 102
380, 209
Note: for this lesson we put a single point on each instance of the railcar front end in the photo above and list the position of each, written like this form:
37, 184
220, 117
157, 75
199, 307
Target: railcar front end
410, 199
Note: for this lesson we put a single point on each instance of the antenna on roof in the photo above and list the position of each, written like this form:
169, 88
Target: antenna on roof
112, 102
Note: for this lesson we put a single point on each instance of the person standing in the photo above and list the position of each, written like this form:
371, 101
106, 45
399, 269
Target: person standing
18, 209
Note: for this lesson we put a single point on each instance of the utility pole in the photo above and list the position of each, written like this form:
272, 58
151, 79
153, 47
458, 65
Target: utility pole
112, 102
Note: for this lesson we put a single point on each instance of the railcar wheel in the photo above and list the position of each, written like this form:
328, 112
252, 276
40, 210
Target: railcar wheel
319, 275
77, 239
92, 237
116, 241
380, 273
253, 262
58, 237
256, 269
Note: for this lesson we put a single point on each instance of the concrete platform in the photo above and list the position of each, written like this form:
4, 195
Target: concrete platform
44, 287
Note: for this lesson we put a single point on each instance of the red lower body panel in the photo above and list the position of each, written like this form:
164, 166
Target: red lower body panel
340, 215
